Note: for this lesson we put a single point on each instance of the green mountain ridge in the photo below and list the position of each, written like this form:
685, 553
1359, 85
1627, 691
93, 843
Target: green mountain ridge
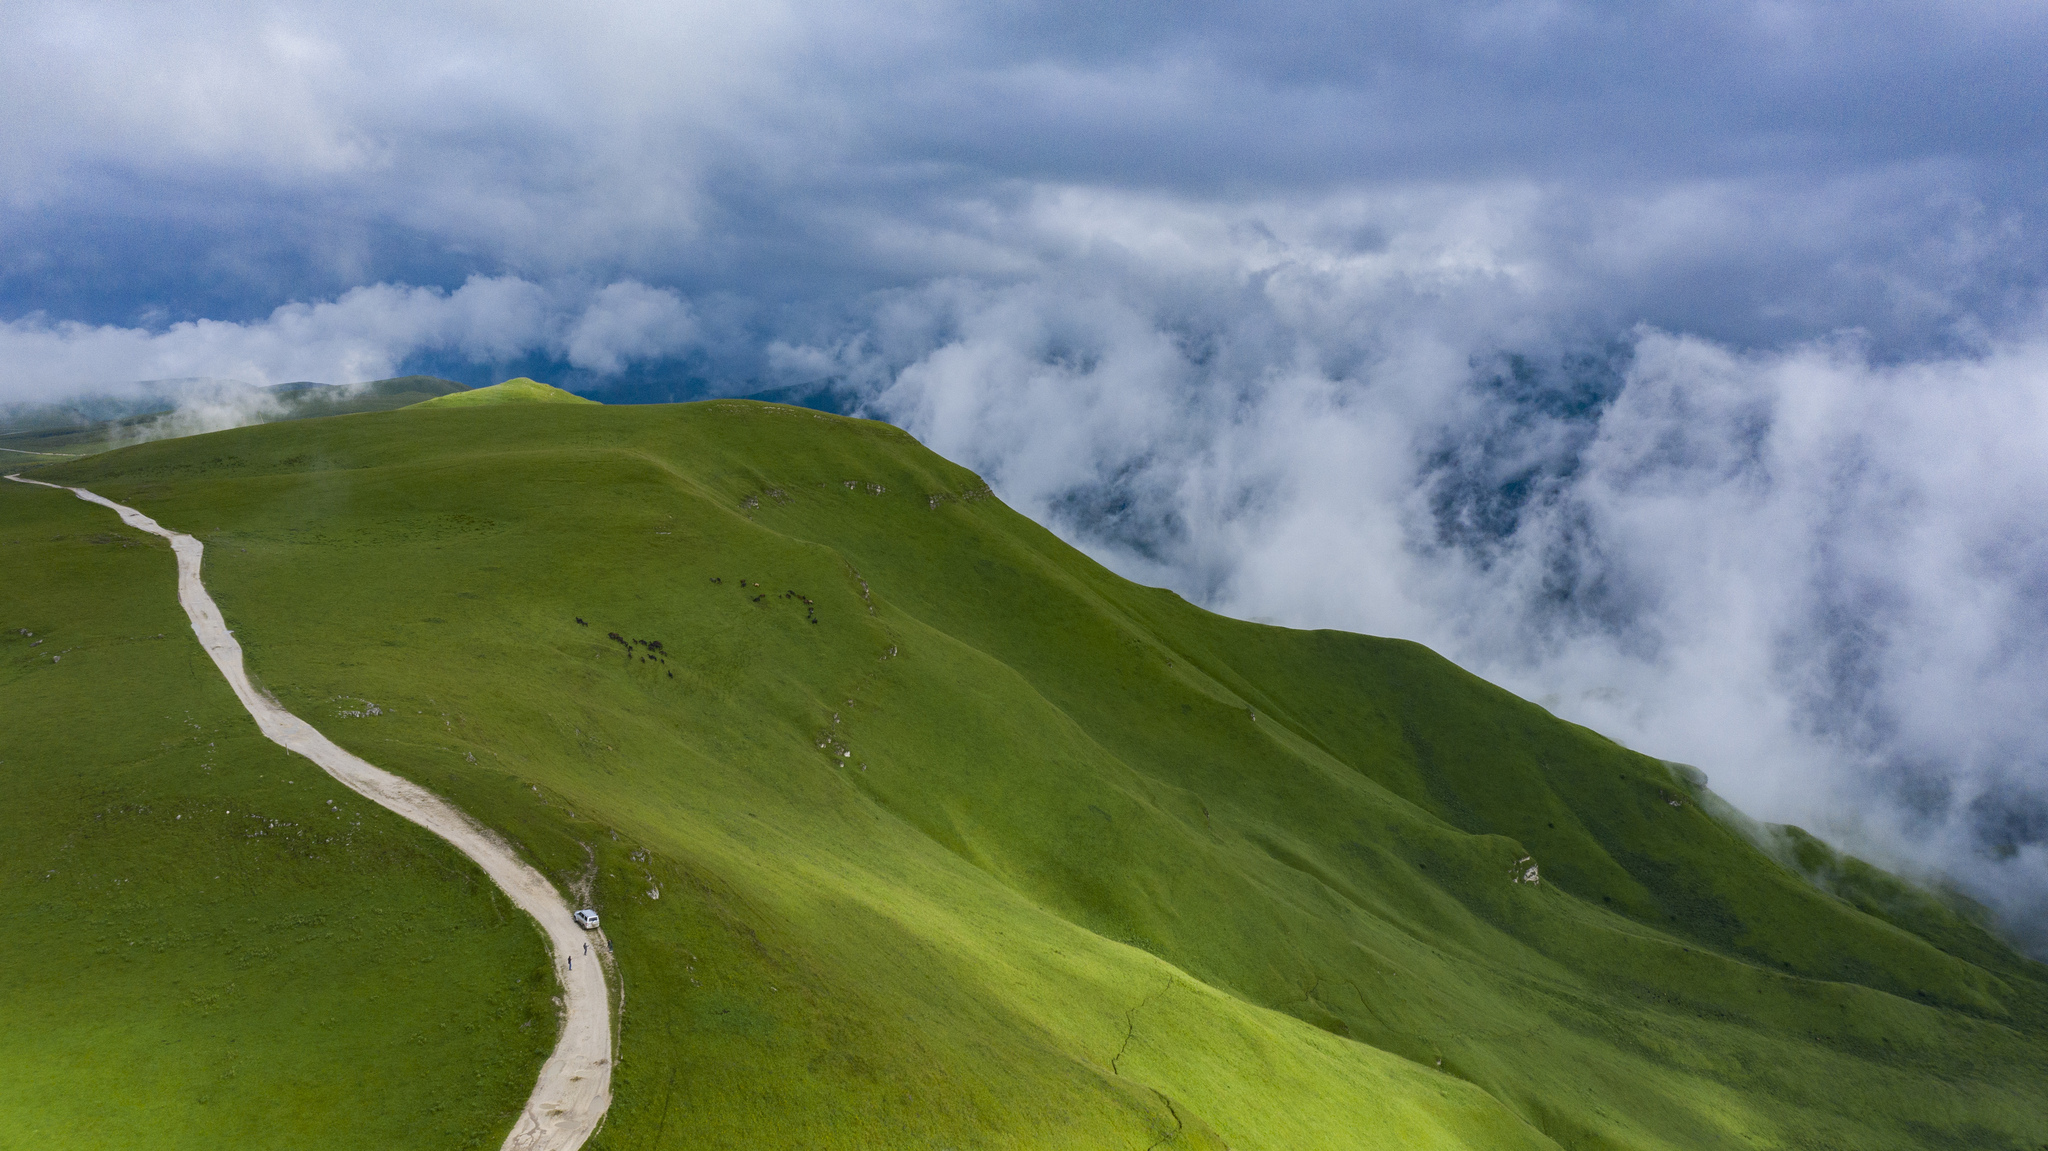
914, 827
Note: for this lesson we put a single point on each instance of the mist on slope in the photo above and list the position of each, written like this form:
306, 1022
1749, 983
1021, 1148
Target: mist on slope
144, 410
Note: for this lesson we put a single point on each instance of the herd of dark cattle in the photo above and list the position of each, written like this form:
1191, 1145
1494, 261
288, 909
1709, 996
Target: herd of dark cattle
810, 605
654, 653
651, 651
810, 608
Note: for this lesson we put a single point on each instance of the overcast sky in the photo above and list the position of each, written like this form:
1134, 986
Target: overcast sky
1681, 366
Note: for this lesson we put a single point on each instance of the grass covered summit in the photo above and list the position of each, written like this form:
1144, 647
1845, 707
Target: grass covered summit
518, 390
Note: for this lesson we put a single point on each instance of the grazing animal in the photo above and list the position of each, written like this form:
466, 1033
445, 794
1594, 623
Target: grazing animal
579, 620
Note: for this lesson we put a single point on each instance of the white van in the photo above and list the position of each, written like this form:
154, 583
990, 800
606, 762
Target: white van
586, 919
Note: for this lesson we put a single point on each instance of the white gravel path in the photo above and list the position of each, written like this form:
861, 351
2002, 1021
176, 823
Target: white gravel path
574, 1088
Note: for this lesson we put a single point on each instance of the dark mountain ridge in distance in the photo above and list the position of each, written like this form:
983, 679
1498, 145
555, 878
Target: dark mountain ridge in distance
168, 408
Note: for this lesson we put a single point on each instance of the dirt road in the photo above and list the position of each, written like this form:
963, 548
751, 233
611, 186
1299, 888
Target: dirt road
575, 1084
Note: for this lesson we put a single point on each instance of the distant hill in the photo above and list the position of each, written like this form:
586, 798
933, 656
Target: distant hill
819, 397
514, 391
911, 826
158, 409
376, 396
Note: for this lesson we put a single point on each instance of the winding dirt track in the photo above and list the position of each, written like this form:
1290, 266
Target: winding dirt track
574, 1089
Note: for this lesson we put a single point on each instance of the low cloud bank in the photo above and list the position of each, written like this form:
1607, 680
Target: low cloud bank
1818, 575
364, 334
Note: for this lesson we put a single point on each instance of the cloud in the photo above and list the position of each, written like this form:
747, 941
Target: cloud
365, 334
197, 406
1813, 573
629, 321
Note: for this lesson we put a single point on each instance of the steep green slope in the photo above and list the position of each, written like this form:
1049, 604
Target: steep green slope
214, 944
914, 827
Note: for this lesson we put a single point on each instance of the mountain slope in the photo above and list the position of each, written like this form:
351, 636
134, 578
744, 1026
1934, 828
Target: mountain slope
215, 945
915, 827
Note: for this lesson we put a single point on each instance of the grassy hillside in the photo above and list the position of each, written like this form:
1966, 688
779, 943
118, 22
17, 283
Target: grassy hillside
916, 828
215, 944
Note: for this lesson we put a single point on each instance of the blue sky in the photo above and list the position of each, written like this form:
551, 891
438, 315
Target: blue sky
1681, 366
